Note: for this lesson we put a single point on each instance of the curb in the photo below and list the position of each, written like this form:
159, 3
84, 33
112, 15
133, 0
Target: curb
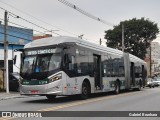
12, 97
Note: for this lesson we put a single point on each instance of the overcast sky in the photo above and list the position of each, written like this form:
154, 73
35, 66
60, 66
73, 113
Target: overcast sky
66, 18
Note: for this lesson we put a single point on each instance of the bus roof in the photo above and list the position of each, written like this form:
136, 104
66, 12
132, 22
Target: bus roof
65, 39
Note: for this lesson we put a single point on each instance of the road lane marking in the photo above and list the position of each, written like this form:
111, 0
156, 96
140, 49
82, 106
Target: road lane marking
8, 118
85, 102
76, 103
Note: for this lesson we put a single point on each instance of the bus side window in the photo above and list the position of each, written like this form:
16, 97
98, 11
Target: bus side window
67, 59
69, 62
72, 62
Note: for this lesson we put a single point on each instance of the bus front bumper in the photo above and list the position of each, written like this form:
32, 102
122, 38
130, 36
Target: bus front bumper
47, 89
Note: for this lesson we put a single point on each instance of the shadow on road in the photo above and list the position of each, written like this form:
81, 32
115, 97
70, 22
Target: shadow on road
68, 99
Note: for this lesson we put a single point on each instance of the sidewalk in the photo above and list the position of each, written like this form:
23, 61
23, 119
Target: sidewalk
10, 95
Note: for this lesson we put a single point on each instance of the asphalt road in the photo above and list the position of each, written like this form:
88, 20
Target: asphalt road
145, 100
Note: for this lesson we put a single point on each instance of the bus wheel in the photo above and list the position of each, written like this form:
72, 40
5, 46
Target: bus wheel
139, 86
85, 91
18, 89
51, 97
117, 88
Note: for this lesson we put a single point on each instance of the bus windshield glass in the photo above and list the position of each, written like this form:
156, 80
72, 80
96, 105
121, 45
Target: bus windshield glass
41, 61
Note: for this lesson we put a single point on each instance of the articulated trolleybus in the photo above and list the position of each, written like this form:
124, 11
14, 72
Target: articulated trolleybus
71, 66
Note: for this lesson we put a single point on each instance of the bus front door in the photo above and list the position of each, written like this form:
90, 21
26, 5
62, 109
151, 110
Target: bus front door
132, 75
97, 71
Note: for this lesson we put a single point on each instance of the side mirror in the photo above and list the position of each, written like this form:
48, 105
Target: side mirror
14, 59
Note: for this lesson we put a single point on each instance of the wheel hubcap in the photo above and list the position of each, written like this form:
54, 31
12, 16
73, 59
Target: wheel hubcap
117, 90
85, 91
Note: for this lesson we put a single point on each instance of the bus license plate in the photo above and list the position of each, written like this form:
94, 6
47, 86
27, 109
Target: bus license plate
34, 92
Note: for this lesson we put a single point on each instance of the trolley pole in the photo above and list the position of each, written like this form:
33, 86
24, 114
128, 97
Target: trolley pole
123, 37
6, 52
100, 41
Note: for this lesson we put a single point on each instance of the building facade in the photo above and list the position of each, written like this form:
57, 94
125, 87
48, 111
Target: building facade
154, 62
17, 38
38, 36
155, 57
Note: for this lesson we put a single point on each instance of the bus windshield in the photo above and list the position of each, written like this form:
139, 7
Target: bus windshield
41, 63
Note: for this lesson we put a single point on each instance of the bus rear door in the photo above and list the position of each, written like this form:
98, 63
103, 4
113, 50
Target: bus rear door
97, 71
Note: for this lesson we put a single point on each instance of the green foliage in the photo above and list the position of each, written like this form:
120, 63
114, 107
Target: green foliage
138, 33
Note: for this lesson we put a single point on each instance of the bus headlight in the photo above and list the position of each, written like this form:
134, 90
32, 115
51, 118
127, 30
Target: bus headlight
55, 77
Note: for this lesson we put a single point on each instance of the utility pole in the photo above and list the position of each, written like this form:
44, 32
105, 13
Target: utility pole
6, 52
100, 41
123, 37
150, 59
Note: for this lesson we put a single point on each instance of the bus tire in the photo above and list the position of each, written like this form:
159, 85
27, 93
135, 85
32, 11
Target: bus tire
117, 87
139, 86
51, 97
85, 91
18, 89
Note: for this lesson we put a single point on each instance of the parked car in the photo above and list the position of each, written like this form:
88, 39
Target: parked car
157, 81
150, 83
13, 82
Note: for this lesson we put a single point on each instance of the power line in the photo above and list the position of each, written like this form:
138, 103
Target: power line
24, 28
29, 28
85, 13
34, 24
14, 15
2, 8
16, 36
28, 32
29, 39
39, 19
42, 20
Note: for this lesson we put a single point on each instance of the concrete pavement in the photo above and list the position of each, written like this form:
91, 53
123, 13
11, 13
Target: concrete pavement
10, 95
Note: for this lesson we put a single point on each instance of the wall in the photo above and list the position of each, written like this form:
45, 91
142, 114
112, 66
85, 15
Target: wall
1, 79
17, 38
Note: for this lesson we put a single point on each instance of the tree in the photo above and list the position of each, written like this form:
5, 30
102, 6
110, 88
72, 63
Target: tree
138, 34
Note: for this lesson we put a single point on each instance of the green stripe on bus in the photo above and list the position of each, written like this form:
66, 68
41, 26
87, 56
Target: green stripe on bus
35, 82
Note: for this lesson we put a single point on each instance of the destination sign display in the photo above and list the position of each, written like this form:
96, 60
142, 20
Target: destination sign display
42, 51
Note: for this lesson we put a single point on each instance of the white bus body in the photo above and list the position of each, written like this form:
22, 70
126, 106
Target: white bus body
17, 61
13, 68
75, 66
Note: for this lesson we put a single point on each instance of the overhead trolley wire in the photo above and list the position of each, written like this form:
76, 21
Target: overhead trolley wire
85, 13
39, 19
14, 15
44, 21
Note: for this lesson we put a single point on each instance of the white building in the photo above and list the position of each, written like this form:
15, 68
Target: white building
155, 54
155, 57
